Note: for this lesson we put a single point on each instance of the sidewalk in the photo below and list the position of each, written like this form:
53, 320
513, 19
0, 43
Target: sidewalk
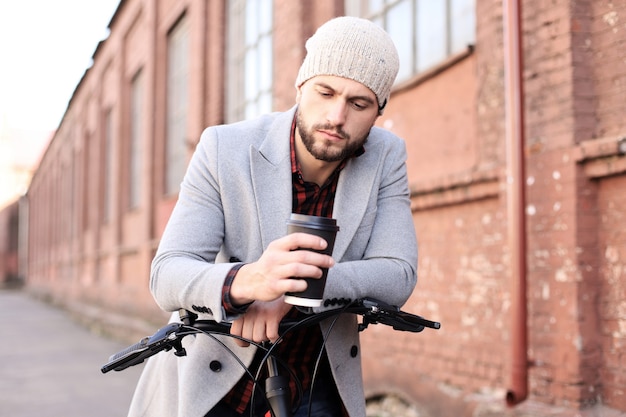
50, 366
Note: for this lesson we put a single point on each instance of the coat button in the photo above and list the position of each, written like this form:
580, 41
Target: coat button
354, 351
215, 366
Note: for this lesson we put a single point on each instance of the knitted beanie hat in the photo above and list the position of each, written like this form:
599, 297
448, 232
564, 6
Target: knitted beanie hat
353, 48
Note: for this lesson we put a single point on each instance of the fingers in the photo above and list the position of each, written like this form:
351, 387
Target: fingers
249, 330
295, 241
306, 258
289, 257
236, 329
260, 323
297, 254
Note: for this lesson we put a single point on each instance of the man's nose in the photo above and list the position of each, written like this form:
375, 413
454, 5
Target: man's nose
336, 114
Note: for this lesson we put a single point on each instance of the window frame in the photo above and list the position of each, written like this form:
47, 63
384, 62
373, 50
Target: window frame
135, 141
177, 105
250, 58
411, 66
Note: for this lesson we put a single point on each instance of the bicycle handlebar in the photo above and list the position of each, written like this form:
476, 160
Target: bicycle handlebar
170, 336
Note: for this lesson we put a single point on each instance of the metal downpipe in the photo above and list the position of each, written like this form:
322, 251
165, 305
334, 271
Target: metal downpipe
517, 389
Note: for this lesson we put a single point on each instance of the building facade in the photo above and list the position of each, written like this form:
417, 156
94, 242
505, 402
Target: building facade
517, 166
9, 243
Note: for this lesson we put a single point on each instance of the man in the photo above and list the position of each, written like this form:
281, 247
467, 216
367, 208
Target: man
225, 252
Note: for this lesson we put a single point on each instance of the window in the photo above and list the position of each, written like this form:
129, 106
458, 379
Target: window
135, 149
177, 106
249, 65
425, 32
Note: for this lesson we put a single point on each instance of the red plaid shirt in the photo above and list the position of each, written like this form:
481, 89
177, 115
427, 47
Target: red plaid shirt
299, 349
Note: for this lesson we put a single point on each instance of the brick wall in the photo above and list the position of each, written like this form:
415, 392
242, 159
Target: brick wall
9, 239
611, 306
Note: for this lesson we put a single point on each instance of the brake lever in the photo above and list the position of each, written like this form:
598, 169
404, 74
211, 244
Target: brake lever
380, 312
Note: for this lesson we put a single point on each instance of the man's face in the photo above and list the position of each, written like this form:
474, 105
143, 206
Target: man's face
334, 116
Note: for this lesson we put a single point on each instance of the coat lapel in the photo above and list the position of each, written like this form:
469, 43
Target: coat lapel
270, 167
353, 193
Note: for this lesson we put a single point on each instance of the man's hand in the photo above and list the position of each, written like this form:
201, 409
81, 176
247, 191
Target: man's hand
272, 275
260, 323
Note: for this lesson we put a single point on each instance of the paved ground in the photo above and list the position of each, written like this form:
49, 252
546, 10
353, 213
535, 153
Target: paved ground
50, 365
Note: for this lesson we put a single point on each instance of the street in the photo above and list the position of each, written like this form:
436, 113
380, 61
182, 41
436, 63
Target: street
50, 365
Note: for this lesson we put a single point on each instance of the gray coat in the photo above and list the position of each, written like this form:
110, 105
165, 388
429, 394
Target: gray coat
234, 200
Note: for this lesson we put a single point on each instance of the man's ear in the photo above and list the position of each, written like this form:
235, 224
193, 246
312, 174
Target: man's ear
298, 94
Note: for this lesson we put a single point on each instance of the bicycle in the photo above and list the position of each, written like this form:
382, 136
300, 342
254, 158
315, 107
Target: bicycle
277, 392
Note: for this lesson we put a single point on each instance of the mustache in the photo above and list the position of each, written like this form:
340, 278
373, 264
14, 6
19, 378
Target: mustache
337, 130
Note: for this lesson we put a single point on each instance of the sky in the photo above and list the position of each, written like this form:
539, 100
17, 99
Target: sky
45, 48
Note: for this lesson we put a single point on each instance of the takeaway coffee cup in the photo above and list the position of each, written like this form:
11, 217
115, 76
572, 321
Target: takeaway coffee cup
325, 228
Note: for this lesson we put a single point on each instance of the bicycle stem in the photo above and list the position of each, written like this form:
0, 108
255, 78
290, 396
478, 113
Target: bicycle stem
277, 390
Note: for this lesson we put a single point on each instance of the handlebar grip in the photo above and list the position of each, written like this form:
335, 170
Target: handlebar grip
163, 339
417, 320
127, 357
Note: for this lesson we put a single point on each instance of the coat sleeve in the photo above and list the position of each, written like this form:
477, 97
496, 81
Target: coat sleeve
381, 259
184, 272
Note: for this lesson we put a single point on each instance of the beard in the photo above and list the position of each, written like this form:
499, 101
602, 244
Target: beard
323, 151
